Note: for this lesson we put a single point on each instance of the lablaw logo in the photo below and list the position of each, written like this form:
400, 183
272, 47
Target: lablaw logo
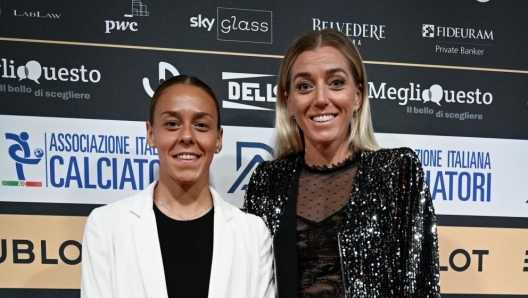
255, 160
33, 70
431, 31
36, 14
435, 93
138, 9
162, 72
249, 91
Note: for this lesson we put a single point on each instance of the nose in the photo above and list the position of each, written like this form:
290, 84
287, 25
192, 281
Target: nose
321, 97
186, 134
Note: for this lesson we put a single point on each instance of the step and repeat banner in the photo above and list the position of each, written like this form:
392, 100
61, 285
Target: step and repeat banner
446, 78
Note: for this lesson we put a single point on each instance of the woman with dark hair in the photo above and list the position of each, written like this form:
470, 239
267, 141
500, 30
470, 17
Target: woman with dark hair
178, 238
348, 219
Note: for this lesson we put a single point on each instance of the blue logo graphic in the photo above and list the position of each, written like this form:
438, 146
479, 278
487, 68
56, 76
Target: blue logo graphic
21, 153
254, 161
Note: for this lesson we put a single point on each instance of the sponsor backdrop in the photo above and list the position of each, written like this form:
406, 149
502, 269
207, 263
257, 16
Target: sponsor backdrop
446, 78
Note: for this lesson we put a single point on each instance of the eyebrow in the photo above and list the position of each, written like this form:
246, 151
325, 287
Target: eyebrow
328, 71
178, 114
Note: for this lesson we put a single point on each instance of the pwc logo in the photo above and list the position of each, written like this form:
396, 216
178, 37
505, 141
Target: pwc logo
138, 9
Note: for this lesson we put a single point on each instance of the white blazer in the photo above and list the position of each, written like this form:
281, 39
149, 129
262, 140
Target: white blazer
121, 255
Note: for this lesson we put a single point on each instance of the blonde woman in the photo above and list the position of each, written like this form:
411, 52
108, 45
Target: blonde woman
348, 219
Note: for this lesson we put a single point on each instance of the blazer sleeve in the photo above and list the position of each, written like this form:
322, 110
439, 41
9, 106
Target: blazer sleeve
266, 281
423, 261
96, 279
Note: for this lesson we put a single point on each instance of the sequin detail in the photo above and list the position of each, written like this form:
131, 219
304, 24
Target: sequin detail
389, 246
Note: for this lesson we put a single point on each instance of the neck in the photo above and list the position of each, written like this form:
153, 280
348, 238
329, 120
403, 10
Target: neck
321, 154
185, 199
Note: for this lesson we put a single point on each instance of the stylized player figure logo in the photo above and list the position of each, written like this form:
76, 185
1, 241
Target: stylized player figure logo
23, 146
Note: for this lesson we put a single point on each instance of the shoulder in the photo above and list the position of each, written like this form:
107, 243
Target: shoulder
250, 225
276, 165
136, 204
392, 156
241, 218
123, 210
389, 153
103, 216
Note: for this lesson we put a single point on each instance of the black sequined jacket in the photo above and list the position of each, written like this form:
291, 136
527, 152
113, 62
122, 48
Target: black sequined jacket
389, 246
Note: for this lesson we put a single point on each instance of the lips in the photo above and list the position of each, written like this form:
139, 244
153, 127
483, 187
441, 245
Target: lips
187, 156
323, 118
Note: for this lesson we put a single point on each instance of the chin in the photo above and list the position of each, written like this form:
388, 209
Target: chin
189, 178
325, 139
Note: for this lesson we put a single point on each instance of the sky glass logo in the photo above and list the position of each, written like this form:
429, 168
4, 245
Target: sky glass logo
240, 25
244, 25
255, 160
162, 72
21, 154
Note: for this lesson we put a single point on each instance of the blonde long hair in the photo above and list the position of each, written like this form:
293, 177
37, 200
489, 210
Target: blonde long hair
288, 137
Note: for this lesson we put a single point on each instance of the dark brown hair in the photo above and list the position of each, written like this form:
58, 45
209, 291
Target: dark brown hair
184, 80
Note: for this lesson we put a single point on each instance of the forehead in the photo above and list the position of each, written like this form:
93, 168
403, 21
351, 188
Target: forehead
188, 97
320, 58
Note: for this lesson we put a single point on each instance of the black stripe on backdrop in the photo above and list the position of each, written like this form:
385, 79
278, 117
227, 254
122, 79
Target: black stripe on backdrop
39, 293
60, 293
46, 209
61, 209
480, 296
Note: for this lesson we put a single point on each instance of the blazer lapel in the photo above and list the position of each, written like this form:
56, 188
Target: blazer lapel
223, 250
147, 245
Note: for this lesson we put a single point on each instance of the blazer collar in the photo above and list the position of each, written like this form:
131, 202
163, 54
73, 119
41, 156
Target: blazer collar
142, 203
147, 245
223, 248
149, 252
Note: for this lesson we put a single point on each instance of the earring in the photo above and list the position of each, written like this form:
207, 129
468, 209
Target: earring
217, 151
354, 114
293, 116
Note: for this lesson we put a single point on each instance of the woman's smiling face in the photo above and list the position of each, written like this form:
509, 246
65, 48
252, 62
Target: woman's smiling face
323, 96
185, 133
